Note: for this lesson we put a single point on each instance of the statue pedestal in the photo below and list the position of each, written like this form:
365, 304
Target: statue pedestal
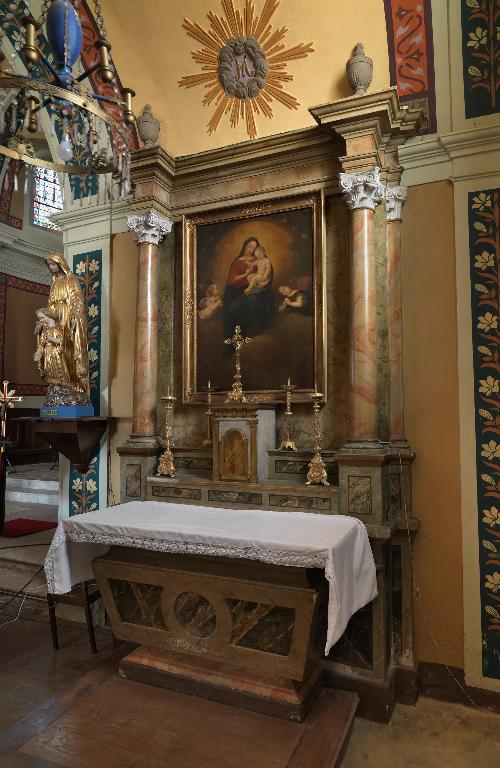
242, 436
77, 439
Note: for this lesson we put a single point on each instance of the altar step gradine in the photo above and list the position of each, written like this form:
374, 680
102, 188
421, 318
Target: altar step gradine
33, 484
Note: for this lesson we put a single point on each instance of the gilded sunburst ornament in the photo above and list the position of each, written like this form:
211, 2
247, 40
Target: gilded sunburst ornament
243, 63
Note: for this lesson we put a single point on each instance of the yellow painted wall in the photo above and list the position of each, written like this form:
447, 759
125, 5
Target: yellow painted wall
432, 416
121, 352
153, 52
20, 308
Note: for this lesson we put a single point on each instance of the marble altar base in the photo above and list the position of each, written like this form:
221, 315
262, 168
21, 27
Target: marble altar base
224, 683
265, 618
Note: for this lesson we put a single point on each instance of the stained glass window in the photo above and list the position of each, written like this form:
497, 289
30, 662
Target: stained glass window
47, 198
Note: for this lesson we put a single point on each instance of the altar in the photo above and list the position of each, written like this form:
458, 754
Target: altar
269, 325
256, 591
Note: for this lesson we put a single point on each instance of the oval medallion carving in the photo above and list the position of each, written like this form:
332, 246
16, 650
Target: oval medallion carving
242, 67
195, 614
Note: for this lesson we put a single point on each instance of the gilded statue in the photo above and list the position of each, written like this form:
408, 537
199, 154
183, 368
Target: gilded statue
61, 332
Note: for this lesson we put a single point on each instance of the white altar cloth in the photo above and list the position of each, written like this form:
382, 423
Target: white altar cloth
335, 543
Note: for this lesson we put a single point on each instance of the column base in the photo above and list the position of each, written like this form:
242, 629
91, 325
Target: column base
354, 445
138, 460
142, 441
399, 445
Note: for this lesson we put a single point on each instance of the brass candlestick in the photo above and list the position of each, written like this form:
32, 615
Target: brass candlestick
288, 444
317, 471
236, 395
209, 438
166, 466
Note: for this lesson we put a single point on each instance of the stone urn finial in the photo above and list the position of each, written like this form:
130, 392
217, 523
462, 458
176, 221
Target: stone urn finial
359, 70
148, 127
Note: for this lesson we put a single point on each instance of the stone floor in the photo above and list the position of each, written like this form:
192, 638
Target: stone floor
433, 734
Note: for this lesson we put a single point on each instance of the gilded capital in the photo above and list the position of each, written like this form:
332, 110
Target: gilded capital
394, 199
362, 190
149, 228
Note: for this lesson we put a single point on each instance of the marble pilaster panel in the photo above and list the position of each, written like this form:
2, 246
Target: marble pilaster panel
166, 349
395, 197
380, 225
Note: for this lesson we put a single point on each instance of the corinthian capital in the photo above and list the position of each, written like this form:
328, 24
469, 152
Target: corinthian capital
362, 190
149, 228
394, 199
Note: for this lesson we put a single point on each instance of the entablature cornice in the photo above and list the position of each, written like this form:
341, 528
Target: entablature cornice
310, 159
229, 176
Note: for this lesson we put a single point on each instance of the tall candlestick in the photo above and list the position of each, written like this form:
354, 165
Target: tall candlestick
317, 474
288, 444
209, 438
166, 466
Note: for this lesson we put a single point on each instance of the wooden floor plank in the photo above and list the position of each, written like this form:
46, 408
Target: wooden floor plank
18, 760
56, 705
327, 731
124, 724
31, 671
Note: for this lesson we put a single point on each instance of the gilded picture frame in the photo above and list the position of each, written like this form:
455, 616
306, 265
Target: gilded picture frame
261, 267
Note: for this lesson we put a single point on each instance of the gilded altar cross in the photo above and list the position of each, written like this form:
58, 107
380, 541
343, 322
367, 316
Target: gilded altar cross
236, 395
7, 400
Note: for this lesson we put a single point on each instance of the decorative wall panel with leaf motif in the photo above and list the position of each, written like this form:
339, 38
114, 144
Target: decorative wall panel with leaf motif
484, 237
481, 56
84, 489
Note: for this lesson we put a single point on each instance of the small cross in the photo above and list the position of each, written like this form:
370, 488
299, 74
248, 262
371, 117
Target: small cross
238, 340
7, 400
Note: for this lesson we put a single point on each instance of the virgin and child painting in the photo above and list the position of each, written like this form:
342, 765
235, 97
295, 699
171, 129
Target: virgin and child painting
263, 273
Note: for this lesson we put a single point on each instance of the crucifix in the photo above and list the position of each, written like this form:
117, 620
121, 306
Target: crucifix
236, 395
7, 400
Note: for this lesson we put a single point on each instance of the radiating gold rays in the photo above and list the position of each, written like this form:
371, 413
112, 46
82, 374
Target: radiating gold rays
236, 23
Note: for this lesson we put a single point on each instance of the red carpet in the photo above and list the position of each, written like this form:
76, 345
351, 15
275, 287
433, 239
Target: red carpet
21, 526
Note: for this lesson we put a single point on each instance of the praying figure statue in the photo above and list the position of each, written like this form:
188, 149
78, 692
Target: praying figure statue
61, 332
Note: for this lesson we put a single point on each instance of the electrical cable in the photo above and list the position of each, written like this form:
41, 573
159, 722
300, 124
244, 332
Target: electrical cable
21, 546
4, 605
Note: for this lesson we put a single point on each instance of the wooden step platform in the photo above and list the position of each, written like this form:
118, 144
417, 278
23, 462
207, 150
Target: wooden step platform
124, 724
222, 682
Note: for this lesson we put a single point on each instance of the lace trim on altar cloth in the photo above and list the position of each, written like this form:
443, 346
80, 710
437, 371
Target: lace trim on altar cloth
288, 558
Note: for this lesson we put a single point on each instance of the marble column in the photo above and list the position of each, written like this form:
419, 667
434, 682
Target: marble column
148, 229
363, 192
395, 198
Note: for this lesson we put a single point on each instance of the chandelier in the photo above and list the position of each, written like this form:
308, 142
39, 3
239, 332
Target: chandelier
94, 131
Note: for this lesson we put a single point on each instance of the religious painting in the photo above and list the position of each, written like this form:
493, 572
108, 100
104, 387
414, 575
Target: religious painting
259, 268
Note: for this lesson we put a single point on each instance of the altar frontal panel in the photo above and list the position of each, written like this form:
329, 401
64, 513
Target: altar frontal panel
250, 614
259, 267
